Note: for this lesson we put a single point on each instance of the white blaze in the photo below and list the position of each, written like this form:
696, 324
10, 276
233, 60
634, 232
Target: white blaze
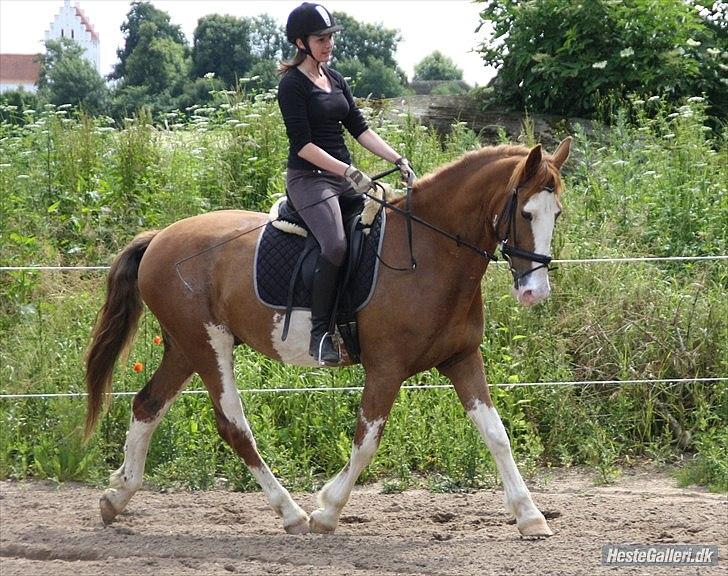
543, 208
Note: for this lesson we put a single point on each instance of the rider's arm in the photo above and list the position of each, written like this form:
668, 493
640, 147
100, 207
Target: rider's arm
376, 145
319, 157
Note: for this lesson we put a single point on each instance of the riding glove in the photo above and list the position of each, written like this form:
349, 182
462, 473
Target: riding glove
405, 170
359, 181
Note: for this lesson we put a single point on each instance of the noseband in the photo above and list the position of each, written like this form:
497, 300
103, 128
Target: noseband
509, 251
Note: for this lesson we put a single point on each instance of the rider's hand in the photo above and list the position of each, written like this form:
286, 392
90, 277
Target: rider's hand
405, 170
359, 181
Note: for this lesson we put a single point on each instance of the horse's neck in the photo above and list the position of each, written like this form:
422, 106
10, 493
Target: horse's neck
464, 198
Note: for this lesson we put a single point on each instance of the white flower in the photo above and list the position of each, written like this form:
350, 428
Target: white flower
693, 43
695, 99
600, 65
626, 52
653, 98
210, 75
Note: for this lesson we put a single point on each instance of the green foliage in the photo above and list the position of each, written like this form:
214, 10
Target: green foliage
364, 42
563, 57
157, 62
79, 189
436, 66
221, 46
139, 14
371, 80
66, 77
365, 53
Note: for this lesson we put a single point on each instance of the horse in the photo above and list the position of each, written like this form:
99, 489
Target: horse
429, 316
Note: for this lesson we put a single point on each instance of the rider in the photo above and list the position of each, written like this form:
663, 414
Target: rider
316, 104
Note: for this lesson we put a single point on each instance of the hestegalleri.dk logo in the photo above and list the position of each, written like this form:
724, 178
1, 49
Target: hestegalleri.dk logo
674, 554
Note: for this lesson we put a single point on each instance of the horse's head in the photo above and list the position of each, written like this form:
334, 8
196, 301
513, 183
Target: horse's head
526, 224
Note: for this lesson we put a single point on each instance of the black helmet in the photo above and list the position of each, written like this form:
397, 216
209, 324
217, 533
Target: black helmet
310, 19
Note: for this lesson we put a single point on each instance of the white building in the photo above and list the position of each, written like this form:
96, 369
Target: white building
72, 23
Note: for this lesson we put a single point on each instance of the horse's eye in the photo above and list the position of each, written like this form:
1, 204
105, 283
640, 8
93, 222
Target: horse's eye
526, 215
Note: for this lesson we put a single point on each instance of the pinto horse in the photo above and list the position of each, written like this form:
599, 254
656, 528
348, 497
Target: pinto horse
428, 316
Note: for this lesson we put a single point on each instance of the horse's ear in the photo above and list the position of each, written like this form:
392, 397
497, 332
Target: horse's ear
562, 152
532, 163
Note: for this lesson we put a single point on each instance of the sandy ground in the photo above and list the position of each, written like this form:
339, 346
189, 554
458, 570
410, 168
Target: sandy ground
57, 531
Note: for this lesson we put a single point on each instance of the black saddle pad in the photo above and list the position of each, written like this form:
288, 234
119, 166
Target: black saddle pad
275, 261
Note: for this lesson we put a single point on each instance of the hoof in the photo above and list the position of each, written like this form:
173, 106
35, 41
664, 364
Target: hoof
108, 512
318, 525
535, 528
300, 526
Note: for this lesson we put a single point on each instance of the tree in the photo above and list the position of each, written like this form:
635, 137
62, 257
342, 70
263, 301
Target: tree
140, 13
157, 62
363, 42
268, 39
374, 79
221, 45
436, 66
365, 52
66, 77
563, 57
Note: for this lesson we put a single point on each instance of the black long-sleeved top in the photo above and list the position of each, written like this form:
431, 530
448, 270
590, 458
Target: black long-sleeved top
314, 115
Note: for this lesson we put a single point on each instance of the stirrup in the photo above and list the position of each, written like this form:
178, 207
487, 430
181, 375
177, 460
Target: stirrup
319, 358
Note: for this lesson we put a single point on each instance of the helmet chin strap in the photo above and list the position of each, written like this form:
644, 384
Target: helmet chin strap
307, 50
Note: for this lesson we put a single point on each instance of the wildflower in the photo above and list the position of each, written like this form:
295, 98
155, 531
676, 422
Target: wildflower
209, 75
693, 43
157, 340
695, 99
138, 367
600, 65
653, 98
626, 52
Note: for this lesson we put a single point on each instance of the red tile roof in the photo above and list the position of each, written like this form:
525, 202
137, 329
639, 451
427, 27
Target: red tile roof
86, 23
19, 68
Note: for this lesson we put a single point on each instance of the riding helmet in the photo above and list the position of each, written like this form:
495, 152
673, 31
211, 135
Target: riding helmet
310, 19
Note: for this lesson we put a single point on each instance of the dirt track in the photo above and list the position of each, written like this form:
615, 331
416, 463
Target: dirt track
57, 531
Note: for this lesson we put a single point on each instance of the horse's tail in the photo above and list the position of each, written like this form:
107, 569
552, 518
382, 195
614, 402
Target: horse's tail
116, 324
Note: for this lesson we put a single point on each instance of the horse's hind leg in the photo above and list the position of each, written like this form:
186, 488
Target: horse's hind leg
149, 406
468, 378
376, 402
234, 429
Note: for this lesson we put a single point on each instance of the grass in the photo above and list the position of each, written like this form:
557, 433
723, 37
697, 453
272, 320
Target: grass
655, 183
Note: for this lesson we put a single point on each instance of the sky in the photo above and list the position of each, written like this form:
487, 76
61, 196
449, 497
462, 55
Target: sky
424, 25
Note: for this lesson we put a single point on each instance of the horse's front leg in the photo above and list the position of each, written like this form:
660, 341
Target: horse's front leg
468, 378
376, 402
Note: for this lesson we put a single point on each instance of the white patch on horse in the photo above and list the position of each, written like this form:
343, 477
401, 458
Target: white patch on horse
334, 496
543, 208
490, 426
125, 481
221, 341
295, 348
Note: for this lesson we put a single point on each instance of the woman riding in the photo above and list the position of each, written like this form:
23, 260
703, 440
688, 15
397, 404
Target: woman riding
316, 104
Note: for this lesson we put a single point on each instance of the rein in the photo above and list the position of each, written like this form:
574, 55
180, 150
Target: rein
508, 251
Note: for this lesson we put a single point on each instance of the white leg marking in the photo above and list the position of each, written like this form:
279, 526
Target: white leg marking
125, 481
295, 349
221, 340
334, 496
518, 498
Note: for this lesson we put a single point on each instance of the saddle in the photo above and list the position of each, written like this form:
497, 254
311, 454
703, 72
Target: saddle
286, 258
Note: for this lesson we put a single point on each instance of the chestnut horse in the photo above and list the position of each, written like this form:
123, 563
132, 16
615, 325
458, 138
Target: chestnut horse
429, 316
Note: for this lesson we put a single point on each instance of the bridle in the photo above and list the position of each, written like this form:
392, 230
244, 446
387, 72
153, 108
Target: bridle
509, 251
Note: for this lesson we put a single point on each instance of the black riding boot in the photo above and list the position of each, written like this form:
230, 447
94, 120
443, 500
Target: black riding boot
325, 283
